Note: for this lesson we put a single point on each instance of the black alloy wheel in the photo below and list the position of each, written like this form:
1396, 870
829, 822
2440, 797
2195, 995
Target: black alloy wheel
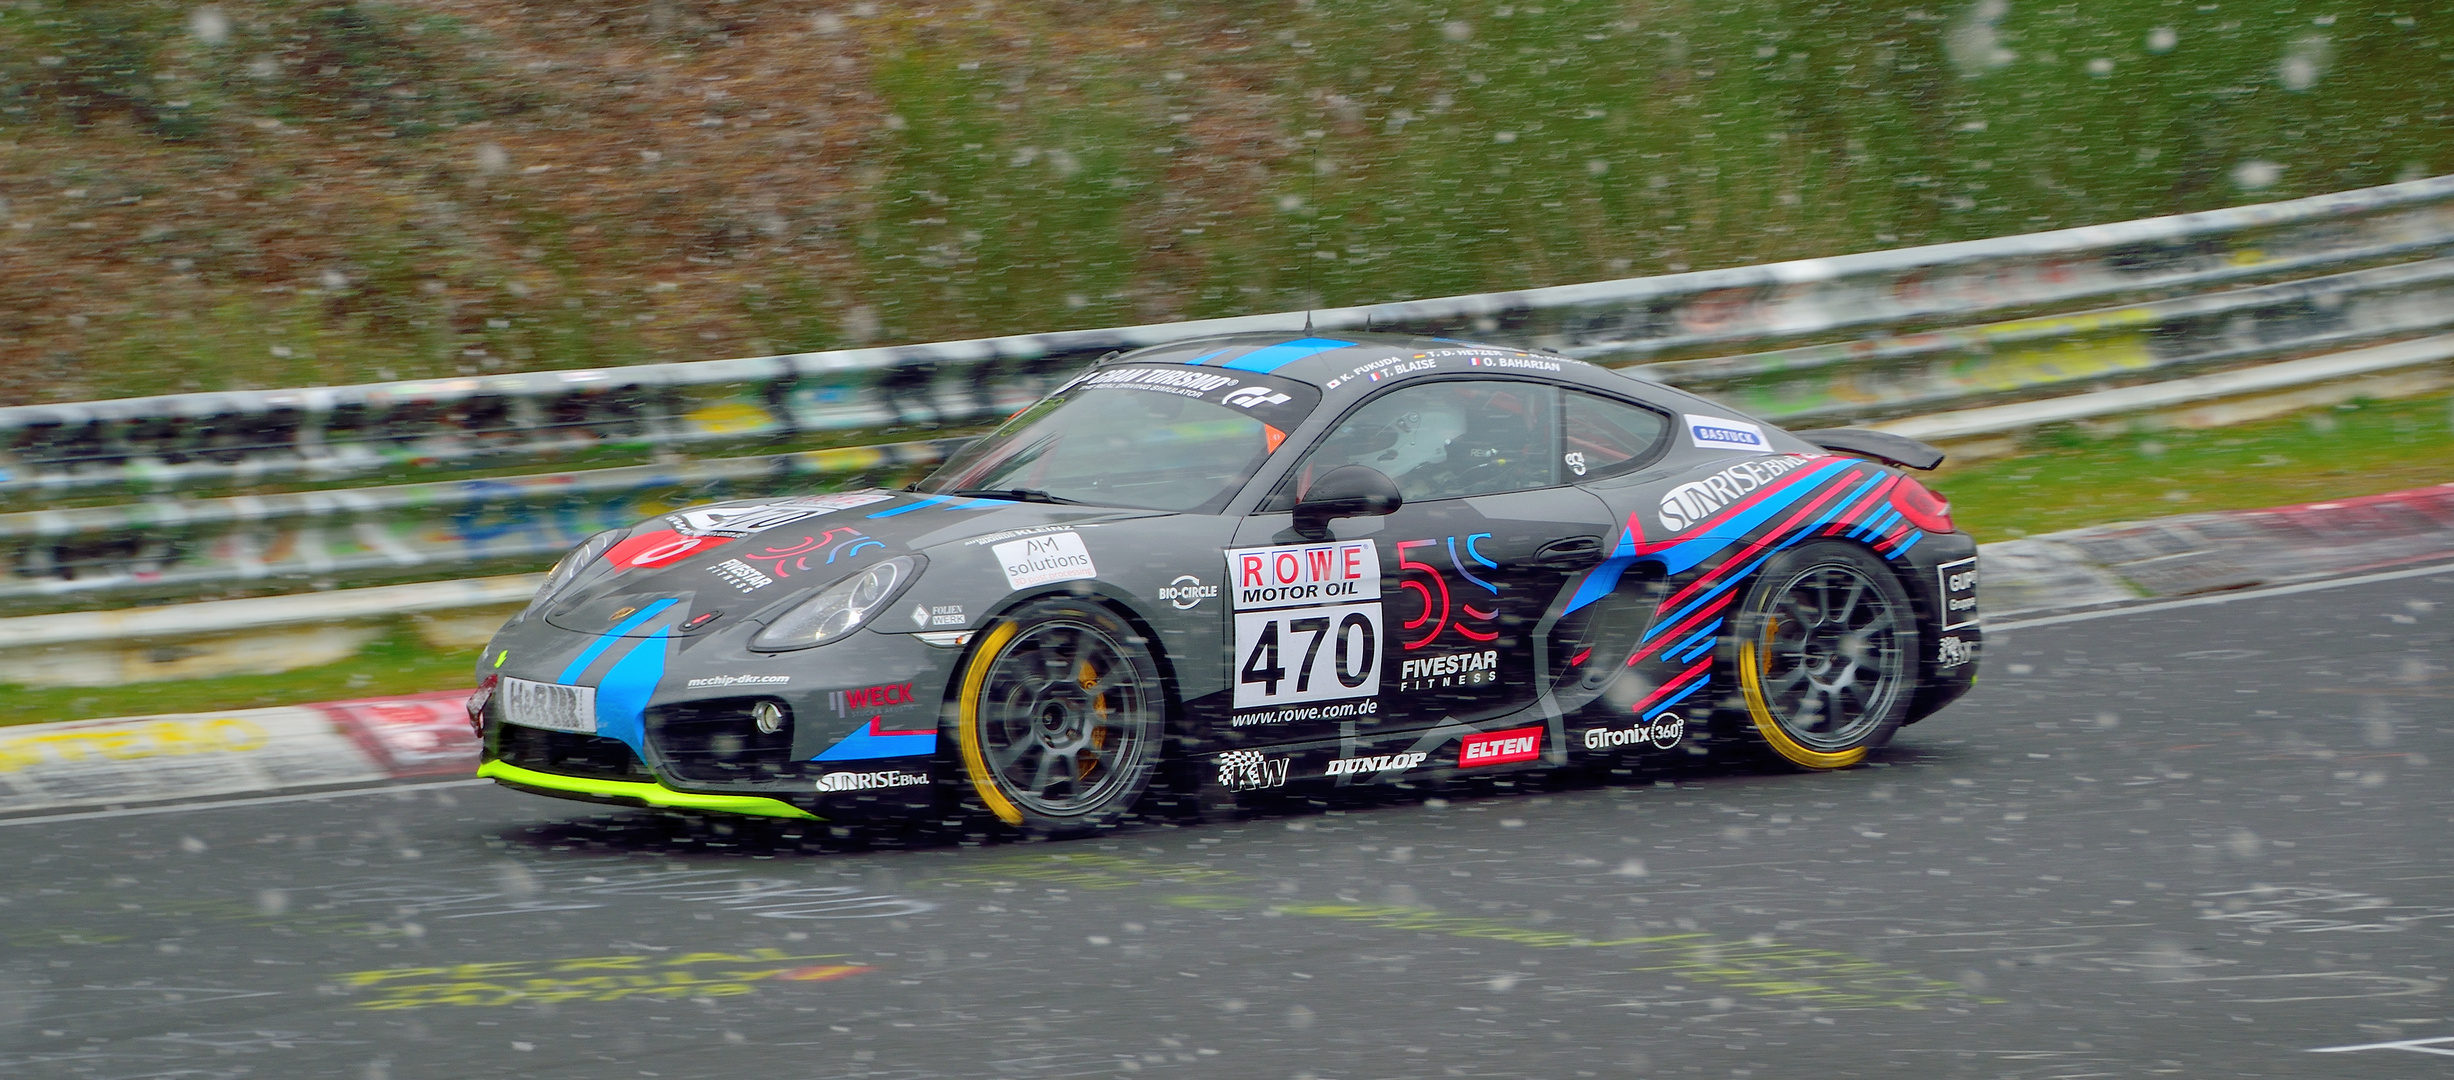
1826, 655
1060, 717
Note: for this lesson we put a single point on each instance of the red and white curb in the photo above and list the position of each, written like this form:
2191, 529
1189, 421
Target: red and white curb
2218, 552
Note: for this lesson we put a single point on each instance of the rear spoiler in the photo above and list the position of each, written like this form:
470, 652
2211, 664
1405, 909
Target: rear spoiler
1879, 445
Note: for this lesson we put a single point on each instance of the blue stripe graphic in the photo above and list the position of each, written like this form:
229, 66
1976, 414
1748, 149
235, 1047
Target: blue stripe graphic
1701, 648
911, 506
1874, 526
1195, 360
604, 641
1903, 549
1269, 358
1703, 636
1663, 706
622, 698
1681, 558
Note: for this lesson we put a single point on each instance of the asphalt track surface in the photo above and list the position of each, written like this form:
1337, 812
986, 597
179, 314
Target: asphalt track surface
2196, 838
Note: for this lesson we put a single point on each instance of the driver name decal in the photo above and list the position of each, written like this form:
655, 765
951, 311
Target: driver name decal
1307, 622
1044, 560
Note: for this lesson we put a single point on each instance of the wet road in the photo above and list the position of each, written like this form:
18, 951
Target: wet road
2205, 839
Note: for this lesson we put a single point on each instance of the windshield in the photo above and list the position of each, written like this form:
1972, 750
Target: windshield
1179, 443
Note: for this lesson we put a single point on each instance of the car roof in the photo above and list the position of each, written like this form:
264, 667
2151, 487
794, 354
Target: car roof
1345, 365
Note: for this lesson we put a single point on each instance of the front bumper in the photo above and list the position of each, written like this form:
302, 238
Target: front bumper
845, 750
647, 793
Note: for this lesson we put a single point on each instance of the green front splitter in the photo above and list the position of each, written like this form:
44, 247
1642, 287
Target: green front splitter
650, 794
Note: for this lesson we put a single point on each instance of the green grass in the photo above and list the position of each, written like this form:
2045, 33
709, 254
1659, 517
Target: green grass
399, 662
2065, 479
1036, 167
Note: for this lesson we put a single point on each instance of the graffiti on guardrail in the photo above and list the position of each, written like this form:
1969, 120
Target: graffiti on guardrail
736, 411
180, 440
165, 549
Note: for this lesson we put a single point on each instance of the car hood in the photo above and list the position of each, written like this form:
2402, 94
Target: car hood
749, 558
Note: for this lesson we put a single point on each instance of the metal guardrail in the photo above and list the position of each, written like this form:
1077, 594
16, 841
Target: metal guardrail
167, 545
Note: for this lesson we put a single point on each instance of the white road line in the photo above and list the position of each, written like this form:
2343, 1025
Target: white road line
180, 808
2435, 1045
2221, 598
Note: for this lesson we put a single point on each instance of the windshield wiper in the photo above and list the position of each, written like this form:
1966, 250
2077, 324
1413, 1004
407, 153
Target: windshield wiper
1019, 494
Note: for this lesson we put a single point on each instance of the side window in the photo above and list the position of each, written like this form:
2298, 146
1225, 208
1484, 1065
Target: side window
1605, 438
1442, 440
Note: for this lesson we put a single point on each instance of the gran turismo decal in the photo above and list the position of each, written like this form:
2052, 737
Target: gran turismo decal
1251, 770
1662, 733
1716, 433
1044, 560
1499, 747
1375, 764
1249, 396
1696, 500
1442, 672
1187, 592
738, 680
1307, 623
869, 781
1575, 460
1168, 380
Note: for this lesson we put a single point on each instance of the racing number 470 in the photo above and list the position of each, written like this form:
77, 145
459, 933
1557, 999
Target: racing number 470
1270, 643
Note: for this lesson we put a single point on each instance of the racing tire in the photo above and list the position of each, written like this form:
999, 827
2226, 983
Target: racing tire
1060, 717
1827, 649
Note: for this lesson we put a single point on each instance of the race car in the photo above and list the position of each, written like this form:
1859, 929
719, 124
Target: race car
1248, 564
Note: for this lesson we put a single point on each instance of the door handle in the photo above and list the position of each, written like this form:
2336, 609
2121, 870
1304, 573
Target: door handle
1570, 553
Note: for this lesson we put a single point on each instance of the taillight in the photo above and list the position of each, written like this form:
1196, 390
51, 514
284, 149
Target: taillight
477, 704
1923, 508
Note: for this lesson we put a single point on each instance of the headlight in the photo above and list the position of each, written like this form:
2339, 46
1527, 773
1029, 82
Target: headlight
841, 609
564, 572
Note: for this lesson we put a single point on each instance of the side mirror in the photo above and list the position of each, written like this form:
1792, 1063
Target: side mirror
1346, 491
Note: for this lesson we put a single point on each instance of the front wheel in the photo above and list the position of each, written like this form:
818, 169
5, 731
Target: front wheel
1060, 718
1827, 648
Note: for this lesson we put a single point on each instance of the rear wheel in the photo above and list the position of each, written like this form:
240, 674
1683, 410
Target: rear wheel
1060, 718
1827, 649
